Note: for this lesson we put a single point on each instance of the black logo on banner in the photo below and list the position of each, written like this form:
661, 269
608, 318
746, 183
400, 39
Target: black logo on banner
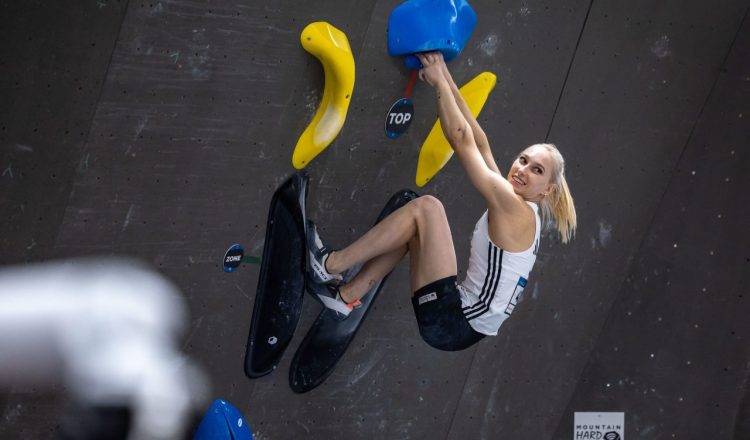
399, 118
611, 435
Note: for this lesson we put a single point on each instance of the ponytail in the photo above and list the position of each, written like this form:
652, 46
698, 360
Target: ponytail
557, 208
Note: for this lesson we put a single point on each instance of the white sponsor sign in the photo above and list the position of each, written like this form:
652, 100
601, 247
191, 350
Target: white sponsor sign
599, 426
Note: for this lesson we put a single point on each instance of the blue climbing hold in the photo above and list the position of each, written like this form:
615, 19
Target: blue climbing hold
223, 422
426, 25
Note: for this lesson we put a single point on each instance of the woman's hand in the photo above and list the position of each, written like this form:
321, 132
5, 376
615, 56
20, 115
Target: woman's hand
433, 67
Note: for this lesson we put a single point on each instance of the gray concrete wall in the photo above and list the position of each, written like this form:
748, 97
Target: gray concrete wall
195, 126
676, 336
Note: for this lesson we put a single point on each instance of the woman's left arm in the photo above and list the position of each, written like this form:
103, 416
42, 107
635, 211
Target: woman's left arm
483, 144
496, 190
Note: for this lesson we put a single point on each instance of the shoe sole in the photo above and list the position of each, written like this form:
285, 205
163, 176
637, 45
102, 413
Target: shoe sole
335, 305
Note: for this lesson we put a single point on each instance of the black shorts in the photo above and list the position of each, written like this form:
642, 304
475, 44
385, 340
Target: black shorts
442, 323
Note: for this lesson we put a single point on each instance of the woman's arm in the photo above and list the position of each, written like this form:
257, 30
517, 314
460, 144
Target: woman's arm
460, 133
480, 137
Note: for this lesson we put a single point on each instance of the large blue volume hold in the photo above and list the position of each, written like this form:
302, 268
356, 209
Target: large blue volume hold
427, 25
223, 422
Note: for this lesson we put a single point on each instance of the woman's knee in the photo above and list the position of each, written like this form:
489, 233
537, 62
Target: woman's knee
428, 207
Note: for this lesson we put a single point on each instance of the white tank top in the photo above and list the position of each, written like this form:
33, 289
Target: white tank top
495, 278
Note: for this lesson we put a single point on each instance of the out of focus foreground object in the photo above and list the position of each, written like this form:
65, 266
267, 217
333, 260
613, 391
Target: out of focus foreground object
108, 330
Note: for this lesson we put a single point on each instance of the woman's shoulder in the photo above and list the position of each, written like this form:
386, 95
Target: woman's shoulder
513, 229
511, 205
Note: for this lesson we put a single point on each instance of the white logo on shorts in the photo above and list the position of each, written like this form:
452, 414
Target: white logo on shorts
427, 298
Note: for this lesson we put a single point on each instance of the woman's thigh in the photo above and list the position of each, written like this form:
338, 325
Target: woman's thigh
431, 250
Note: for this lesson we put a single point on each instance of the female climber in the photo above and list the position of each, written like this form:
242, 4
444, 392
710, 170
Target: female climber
453, 316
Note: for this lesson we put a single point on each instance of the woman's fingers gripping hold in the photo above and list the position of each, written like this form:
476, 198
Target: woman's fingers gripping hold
431, 71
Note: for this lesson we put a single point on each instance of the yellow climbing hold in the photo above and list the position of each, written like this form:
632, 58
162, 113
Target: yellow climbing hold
436, 151
331, 47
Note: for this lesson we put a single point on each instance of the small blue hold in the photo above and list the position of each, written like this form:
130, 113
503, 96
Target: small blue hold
428, 25
223, 422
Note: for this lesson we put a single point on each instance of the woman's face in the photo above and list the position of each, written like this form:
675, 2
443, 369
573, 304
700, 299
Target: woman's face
531, 173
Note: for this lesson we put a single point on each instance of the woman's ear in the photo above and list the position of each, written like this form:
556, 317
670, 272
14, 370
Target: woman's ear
552, 187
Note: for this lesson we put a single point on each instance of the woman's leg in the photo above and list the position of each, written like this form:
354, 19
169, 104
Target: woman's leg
372, 272
420, 227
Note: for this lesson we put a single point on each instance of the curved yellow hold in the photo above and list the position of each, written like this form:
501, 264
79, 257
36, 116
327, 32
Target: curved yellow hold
436, 151
331, 47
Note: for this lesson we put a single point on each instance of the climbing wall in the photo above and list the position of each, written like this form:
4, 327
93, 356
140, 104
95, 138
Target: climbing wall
676, 337
159, 130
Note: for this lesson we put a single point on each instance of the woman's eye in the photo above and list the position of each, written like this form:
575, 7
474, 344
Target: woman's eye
538, 170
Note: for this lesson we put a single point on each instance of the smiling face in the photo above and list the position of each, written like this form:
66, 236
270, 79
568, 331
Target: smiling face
531, 173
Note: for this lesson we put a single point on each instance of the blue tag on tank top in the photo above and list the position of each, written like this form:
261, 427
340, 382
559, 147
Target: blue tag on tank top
520, 285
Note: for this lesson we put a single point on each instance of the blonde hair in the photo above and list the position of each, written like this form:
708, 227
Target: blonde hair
558, 209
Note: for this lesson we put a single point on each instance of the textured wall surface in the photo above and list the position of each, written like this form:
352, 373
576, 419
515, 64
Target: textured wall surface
160, 129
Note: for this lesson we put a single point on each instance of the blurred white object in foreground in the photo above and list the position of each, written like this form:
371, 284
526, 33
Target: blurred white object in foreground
106, 328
